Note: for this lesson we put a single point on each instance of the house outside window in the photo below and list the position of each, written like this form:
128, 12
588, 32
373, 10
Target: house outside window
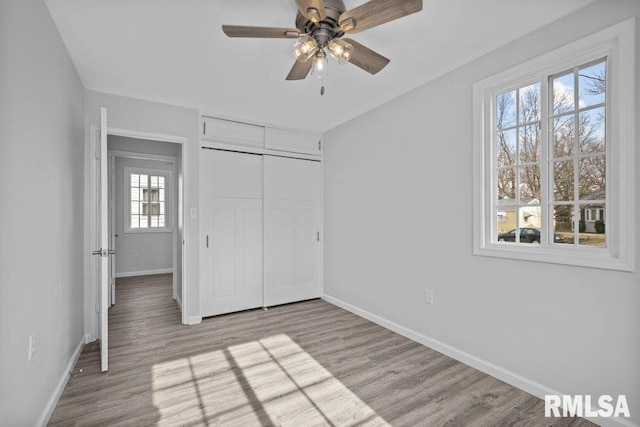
551, 136
147, 200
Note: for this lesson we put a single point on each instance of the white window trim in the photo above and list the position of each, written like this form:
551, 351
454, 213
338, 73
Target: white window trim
167, 173
617, 43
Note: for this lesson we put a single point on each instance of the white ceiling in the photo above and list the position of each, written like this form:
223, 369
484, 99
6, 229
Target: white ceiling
174, 51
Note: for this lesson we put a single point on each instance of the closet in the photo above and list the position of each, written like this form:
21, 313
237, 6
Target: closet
260, 217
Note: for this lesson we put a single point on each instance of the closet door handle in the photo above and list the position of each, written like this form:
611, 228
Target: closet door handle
207, 241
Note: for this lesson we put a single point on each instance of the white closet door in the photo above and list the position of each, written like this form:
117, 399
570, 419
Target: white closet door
292, 206
231, 264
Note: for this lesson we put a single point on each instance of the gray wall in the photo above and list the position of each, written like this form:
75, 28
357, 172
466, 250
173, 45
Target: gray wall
145, 116
41, 219
398, 221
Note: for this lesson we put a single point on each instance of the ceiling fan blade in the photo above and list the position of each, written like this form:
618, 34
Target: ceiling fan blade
260, 32
300, 70
377, 12
312, 9
366, 59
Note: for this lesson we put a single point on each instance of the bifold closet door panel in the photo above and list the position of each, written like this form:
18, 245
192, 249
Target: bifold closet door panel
232, 220
292, 207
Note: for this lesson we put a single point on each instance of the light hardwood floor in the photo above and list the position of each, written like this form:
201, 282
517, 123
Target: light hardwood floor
308, 363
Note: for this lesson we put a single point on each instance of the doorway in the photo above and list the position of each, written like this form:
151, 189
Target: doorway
143, 213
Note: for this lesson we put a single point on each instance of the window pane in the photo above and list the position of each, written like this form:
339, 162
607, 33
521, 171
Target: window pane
154, 221
563, 93
530, 218
563, 187
135, 221
144, 194
506, 222
144, 180
161, 195
155, 209
529, 108
161, 222
506, 147
530, 144
592, 178
563, 224
563, 136
145, 208
135, 180
506, 110
592, 84
135, 208
530, 184
161, 212
592, 228
506, 183
592, 136
161, 181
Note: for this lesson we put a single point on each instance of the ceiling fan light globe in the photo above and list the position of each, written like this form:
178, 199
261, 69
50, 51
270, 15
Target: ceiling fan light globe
305, 48
340, 50
320, 65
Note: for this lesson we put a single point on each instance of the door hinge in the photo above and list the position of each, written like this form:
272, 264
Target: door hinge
204, 128
319, 145
318, 236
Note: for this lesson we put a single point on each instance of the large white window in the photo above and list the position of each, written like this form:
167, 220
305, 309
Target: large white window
553, 153
147, 200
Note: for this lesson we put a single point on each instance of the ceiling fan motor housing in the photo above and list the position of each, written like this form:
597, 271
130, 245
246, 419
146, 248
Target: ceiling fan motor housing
326, 29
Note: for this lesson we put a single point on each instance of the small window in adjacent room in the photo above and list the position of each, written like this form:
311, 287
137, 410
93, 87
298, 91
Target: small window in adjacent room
147, 200
553, 153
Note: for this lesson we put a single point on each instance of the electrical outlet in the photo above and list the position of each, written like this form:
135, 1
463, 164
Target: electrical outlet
428, 296
135, 252
32, 347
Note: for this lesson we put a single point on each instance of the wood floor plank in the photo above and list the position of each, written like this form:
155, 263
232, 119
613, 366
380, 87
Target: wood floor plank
308, 363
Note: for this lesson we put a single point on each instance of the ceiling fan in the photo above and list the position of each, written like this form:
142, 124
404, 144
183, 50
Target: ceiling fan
321, 24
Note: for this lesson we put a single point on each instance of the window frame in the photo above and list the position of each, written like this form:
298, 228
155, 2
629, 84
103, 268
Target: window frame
168, 176
616, 43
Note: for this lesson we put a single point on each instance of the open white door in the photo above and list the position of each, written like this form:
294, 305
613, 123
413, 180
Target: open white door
104, 252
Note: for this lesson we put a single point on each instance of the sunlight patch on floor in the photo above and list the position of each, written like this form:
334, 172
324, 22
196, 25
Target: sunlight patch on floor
272, 380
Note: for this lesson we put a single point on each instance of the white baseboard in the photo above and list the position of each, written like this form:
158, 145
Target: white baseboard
194, 320
53, 401
144, 272
502, 374
178, 301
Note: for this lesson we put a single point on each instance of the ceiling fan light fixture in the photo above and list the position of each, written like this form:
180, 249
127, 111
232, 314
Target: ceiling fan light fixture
340, 50
313, 14
320, 65
304, 48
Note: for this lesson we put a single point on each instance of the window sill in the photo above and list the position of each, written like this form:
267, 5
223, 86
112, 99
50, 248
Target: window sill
600, 258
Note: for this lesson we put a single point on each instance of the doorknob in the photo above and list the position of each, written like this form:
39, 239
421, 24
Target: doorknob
104, 252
